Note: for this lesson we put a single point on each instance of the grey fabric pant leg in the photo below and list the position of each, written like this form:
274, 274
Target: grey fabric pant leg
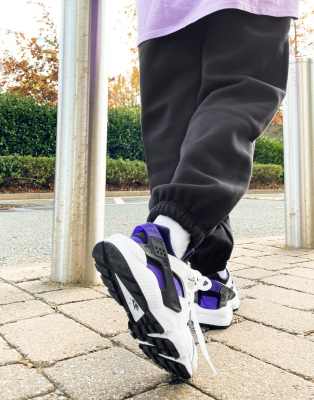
207, 92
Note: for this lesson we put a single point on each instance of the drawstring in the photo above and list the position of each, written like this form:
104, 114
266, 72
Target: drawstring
196, 281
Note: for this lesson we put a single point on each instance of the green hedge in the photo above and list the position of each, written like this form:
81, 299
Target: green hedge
267, 175
124, 134
268, 151
28, 173
126, 173
27, 128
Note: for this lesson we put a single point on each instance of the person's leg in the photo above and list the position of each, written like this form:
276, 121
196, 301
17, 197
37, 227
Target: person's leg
243, 81
170, 80
215, 251
169, 83
142, 272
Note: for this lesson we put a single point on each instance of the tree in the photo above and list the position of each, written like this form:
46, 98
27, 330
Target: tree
302, 35
301, 40
124, 90
34, 70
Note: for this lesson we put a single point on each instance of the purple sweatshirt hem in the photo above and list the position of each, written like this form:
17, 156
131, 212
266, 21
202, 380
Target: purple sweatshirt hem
292, 12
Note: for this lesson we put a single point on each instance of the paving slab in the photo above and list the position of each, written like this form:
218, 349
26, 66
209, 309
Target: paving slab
307, 264
50, 338
107, 375
173, 392
279, 250
302, 272
103, 315
18, 382
279, 295
25, 272
40, 286
52, 396
70, 295
262, 248
11, 294
242, 241
242, 377
275, 241
234, 266
243, 283
101, 289
127, 341
27, 309
277, 316
7, 354
289, 352
310, 256
253, 273
292, 282
239, 251
270, 262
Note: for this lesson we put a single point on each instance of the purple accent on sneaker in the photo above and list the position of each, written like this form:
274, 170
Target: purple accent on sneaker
209, 302
161, 280
161, 233
216, 286
137, 239
211, 298
149, 229
157, 231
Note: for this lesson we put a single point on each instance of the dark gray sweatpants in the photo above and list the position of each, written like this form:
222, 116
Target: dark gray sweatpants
207, 92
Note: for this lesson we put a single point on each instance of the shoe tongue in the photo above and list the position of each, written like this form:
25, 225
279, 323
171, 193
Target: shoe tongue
218, 278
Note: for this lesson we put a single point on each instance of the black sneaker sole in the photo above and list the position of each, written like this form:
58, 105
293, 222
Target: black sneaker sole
110, 262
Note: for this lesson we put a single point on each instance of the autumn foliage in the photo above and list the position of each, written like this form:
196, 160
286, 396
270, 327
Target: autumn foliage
34, 70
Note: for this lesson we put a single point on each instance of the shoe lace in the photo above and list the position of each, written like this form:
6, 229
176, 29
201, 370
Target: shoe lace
195, 282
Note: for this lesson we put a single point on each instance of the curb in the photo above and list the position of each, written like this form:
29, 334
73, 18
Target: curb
258, 194
50, 195
112, 193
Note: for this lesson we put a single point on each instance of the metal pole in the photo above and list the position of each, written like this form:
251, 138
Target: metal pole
299, 154
81, 142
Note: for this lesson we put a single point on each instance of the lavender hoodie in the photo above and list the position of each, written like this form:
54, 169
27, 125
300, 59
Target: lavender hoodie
161, 17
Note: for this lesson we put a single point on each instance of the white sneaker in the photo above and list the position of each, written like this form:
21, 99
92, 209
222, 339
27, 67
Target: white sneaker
215, 307
157, 291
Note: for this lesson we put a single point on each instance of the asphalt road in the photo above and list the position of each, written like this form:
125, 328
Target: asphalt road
26, 226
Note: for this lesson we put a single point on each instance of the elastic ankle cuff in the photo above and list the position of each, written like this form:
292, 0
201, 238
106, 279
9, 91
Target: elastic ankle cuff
184, 218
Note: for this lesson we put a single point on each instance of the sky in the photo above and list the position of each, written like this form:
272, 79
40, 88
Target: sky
21, 15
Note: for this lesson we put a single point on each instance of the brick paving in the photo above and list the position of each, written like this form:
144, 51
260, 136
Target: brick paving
71, 343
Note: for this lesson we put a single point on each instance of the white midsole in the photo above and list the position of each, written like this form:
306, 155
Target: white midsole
235, 302
220, 317
174, 323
